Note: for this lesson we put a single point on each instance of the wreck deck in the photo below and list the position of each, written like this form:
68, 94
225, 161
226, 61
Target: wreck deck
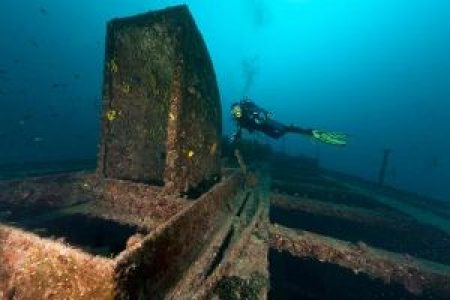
334, 227
54, 228
343, 230
98, 215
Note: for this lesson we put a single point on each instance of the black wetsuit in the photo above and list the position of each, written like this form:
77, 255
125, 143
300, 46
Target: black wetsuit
254, 118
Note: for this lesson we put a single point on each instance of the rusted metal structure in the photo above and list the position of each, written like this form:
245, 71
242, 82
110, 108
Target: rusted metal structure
162, 121
164, 235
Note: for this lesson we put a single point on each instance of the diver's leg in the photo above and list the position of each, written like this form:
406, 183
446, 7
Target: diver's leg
275, 133
274, 129
299, 130
277, 129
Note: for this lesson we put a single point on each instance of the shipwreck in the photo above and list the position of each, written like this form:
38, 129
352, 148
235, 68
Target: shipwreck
170, 213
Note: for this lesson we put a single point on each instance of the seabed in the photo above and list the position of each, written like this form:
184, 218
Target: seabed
169, 212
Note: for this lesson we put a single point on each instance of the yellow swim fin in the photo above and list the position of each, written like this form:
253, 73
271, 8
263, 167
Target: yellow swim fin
329, 137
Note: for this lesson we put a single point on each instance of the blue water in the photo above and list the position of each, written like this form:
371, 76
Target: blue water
376, 69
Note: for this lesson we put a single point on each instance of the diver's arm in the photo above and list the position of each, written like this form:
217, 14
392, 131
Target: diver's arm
236, 136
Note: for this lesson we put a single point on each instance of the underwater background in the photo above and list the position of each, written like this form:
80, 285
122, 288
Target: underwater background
378, 70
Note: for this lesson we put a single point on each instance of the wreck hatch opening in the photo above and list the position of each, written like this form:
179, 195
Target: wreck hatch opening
337, 196
403, 239
310, 279
90, 233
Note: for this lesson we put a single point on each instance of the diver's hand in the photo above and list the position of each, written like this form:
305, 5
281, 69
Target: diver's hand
332, 138
233, 138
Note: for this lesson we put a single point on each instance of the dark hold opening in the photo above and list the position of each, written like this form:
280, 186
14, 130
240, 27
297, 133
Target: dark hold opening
241, 209
200, 189
163, 155
221, 253
433, 244
338, 197
309, 279
155, 182
92, 234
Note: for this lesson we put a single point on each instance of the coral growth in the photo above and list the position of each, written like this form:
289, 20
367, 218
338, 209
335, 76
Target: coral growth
234, 287
33, 268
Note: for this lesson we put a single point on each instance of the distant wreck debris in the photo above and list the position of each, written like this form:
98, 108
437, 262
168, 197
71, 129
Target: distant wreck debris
384, 166
162, 123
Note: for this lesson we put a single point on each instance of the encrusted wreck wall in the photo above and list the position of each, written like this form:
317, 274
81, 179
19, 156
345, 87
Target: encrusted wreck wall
162, 118
159, 261
33, 268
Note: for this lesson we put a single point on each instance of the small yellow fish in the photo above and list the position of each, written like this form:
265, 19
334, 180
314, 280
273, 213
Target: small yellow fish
111, 115
171, 116
190, 153
126, 88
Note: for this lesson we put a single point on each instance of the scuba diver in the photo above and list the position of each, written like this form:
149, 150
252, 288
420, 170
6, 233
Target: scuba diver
251, 117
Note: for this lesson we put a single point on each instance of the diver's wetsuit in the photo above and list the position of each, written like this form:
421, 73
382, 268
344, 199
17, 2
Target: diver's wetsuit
253, 118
